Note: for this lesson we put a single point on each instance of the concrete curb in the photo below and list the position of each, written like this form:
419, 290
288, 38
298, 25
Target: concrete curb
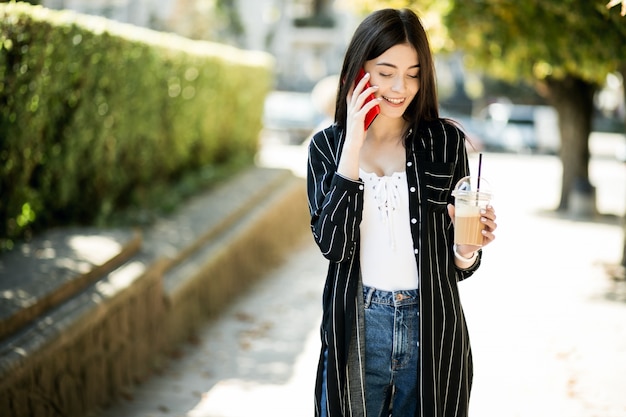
15, 317
207, 280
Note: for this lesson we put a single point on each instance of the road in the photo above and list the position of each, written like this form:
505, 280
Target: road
546, 320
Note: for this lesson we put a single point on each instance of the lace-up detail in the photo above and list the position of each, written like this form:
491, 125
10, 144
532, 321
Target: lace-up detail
387, 197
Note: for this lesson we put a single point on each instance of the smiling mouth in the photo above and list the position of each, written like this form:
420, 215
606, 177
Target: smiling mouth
394, 100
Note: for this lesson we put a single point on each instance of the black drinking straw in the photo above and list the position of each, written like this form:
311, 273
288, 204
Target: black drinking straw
480, 165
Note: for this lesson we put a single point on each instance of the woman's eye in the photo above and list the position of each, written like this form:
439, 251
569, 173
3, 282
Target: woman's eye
385, 75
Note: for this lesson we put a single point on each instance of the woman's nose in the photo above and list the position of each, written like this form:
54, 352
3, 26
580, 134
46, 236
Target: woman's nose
398, 85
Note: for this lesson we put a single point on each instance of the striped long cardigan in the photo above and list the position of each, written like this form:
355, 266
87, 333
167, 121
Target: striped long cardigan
436, 159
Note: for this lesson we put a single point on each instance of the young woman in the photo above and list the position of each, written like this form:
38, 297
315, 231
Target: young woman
394, 339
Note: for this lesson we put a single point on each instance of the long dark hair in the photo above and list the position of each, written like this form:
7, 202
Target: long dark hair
378, 32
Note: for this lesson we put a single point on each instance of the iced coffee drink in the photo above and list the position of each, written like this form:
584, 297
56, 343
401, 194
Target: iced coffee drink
469, 201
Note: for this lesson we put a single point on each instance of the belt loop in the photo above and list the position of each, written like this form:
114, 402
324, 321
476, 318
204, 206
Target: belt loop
368, 296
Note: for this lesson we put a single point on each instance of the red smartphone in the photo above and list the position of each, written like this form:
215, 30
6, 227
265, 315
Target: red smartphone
371, 115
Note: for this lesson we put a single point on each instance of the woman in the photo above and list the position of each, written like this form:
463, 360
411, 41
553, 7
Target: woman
394, 339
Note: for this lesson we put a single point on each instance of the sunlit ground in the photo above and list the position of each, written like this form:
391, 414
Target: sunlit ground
546, 321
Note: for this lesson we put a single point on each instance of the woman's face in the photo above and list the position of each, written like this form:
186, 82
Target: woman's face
396, 73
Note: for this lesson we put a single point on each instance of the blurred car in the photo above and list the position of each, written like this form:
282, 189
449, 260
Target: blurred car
289, 117
520, 128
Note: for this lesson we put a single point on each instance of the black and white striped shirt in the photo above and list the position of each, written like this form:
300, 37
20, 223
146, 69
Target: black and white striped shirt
436, 159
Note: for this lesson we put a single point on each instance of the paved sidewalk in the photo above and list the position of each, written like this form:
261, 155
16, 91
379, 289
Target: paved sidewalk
545, 319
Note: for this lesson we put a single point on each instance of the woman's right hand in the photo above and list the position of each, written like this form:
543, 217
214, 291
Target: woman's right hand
355, 130
357, 109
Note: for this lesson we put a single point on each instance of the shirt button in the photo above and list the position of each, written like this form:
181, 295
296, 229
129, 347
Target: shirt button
413, 221
415, 250
412, 189
409, 164
361, 187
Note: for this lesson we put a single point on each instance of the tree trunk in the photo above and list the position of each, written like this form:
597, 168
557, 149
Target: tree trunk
572, 98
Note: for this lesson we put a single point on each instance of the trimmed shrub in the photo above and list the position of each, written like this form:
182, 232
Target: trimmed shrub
94, 113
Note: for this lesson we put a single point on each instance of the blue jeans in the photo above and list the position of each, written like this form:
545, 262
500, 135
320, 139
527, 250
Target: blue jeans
391, 352
324, 410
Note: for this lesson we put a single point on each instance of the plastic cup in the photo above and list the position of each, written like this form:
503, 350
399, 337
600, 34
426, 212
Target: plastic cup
469, 200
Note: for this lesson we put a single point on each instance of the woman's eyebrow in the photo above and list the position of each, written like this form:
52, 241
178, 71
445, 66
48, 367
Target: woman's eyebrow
387, 64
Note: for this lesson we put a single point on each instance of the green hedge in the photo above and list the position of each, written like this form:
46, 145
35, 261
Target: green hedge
93, 113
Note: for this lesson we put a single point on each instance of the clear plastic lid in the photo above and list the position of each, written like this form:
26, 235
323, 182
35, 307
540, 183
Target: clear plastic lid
471, 187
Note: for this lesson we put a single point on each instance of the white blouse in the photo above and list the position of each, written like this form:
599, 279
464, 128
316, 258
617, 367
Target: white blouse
387, 255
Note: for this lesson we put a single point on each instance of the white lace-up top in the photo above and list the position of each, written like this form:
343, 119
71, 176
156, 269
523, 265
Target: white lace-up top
387, 255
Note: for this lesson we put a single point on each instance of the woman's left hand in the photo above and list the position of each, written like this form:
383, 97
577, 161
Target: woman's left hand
488, 219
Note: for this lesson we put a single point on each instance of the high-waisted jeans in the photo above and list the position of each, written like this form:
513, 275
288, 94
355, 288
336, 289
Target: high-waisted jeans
391, 353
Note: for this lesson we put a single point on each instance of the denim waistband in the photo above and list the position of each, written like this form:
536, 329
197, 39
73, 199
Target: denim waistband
392, 298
